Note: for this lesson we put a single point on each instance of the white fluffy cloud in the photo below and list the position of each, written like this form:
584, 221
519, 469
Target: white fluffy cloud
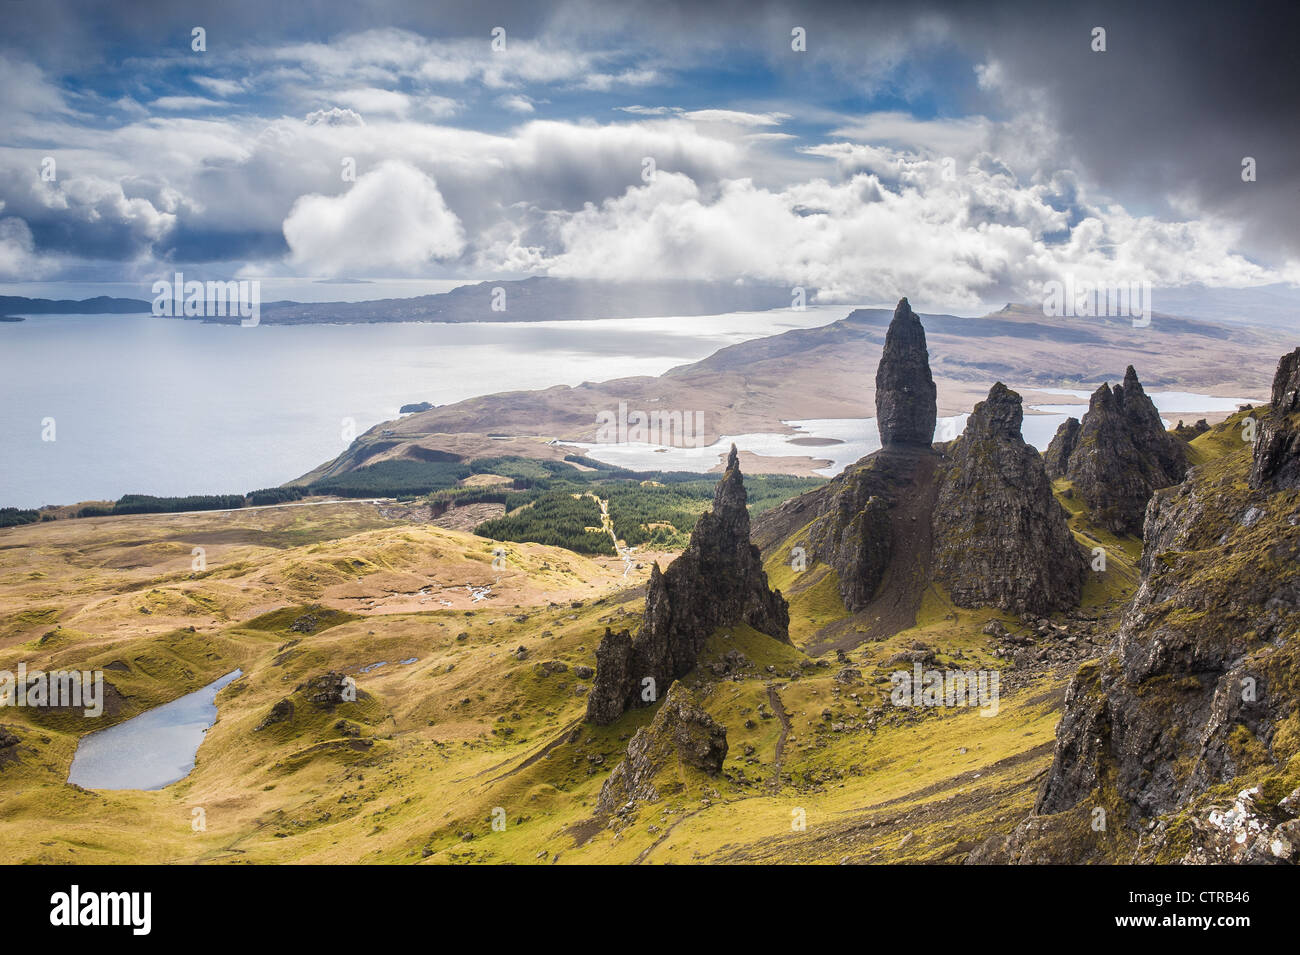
953, 242
511, 177
392, 220
18, 258
334, 116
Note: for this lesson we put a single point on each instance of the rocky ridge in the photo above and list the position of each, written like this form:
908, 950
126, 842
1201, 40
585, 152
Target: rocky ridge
1199, 690
977, 515
681, 734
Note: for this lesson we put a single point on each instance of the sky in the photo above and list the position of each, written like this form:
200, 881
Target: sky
959, 154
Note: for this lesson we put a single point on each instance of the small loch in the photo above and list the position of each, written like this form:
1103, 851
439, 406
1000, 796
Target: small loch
152, 750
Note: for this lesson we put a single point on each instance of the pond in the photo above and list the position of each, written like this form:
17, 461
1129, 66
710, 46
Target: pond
152, 750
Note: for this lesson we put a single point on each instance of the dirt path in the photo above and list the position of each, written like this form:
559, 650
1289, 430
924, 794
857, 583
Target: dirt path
608, 523
778, 708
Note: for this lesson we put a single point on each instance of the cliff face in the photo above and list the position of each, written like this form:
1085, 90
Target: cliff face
1200, 687
1056, 459
1122, 455
1277, 447
1000, 537
855, 531
905, 390
718, 581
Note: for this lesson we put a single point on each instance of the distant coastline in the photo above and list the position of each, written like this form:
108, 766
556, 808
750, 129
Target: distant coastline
537, 299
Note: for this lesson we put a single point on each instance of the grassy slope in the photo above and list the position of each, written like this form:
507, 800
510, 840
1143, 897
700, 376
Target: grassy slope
413, 771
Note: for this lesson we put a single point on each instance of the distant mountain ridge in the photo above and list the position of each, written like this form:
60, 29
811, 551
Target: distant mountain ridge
536, 299
99, 305
541, 299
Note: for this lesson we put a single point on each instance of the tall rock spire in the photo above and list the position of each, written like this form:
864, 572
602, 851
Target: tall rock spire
905, 393
718, 581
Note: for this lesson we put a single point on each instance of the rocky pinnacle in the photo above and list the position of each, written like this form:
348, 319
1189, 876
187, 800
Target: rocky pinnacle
905, 391
1122, 455
718, 581
1000, 537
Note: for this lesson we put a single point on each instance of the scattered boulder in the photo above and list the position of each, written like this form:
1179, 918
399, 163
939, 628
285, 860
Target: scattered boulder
282, 712
328, 689
307, 623
1245, 833
8, 745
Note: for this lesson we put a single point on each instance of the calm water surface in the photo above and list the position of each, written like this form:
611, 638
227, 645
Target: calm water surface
161, 406
151, 750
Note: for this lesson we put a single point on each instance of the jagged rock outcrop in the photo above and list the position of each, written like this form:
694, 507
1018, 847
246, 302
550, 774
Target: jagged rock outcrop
682, 735
1000, 537
1189, 432
282, 712
866, 515
1277, 446
1200, 688
906, 406
329, 689
854, 532
614, 655
1123, 454
1056, 459
718, 581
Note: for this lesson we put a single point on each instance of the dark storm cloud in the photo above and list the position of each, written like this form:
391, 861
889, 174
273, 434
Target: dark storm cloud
1184, 92
1161, 121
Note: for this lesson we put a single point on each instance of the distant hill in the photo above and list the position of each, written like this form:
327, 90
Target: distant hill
541, 299
537, 299
99, 305
828, 372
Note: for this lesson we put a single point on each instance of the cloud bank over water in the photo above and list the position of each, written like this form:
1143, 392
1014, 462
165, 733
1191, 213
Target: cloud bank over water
913, 151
